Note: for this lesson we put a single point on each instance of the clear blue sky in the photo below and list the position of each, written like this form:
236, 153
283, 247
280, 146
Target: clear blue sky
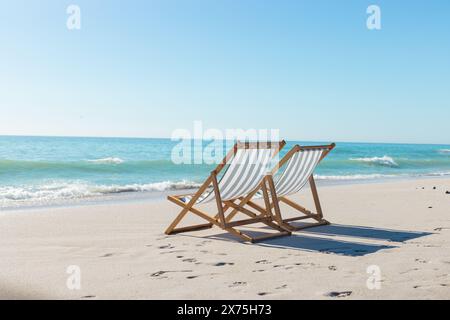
310, 68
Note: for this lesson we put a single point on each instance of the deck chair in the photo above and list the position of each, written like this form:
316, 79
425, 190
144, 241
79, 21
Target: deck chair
245, 174
299, 164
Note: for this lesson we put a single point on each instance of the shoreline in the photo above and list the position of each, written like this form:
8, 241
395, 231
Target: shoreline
156, 196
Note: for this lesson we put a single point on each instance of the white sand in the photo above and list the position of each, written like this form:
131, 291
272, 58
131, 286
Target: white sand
123, 253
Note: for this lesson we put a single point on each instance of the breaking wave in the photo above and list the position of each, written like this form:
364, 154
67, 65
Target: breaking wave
110, 160
353, 177
78, 190
383, 161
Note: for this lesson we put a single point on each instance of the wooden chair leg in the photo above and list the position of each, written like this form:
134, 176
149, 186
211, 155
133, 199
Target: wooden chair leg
312, 225
172, 228
306, 215
268, 221
186, 206
196, 227
239, 234
176, 221
276, 205
248, 238
315, 194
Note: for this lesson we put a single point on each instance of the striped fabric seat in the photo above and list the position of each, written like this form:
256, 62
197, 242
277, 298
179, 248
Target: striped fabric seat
243, 175
297, 172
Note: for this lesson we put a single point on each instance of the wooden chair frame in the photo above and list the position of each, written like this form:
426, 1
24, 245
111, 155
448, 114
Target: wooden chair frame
223, 221
306, 214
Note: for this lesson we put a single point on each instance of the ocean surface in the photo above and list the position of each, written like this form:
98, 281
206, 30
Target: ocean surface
47, 170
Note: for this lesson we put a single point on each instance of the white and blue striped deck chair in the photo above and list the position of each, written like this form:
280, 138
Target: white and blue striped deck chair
245, 172
299, 165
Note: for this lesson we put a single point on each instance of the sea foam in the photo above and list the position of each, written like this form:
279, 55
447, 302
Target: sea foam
353, 177
384, 161
54, 191
110, 160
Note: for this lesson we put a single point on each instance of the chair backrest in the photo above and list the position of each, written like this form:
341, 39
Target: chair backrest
245, 169
301, 163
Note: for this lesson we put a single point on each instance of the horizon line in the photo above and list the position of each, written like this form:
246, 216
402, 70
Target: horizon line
168, 138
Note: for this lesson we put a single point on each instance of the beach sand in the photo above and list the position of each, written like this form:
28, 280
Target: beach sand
400, 228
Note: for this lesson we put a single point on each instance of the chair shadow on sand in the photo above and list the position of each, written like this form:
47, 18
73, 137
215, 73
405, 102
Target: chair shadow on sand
312, 244
334, 246
365, 232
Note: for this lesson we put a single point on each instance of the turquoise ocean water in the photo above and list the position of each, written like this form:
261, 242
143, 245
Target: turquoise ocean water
43, 170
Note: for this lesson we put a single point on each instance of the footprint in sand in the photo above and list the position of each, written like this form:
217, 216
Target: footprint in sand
201, 244
260, 270
284, 286
107, 255
427, 286
189, 260
191, 277
172, 251
410, 270
167, 246
337, 294
160, 273
332, 268
263, 262
221, 264
304, 264
88, 297
421, 261
237, 284
263, 293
